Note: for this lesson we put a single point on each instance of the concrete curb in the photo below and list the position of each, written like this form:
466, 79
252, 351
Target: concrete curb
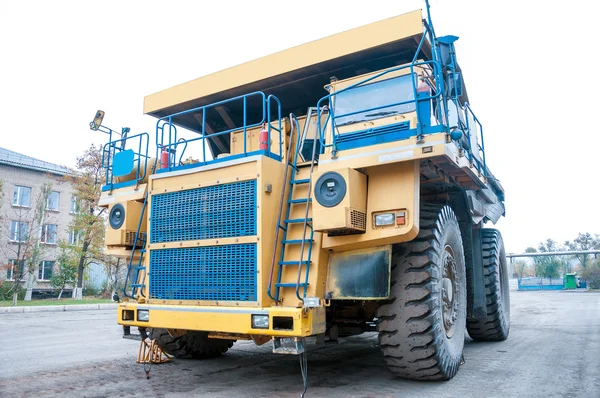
57, 308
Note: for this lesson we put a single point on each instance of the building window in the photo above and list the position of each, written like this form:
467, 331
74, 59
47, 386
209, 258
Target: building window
22, 196
74, 237
74, 205
49, 234
10, 272
46, 270
18, 231
52, 201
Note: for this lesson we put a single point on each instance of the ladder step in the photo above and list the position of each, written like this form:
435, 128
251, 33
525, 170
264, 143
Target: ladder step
297, 241
302, 200
305, 262
137, 285
142, 250
303, 284
304, 181
297, 220
139, 268
282, 227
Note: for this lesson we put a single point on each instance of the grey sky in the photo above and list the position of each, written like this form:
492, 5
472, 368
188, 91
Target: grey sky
529, 68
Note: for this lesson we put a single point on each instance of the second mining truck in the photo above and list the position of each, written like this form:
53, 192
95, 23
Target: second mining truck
331, 189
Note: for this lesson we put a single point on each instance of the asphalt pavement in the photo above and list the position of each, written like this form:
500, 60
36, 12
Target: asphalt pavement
553, 350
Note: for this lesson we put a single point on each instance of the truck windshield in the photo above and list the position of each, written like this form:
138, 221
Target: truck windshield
374, 95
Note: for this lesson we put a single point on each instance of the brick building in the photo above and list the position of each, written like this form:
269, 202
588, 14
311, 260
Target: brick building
23, 181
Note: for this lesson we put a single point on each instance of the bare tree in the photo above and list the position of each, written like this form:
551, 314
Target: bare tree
67, 268
26, 229
520, 267
585, 241
90, 220
115, 269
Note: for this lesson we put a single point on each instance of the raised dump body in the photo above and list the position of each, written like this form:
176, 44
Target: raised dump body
333, 188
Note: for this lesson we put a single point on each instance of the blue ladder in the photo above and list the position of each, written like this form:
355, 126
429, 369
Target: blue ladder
306, 243
140, 238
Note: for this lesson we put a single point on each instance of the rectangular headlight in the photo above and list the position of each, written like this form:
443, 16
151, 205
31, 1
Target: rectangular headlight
384, 219
143, 315
260, 321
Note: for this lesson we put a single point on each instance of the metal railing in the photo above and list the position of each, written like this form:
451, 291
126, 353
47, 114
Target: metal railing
332, 116
167, 135
140, 158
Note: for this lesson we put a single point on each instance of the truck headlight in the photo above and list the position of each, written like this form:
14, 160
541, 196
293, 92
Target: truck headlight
143, 316
384, 219
260, 321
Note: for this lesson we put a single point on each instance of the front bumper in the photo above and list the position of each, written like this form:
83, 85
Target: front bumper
283, 321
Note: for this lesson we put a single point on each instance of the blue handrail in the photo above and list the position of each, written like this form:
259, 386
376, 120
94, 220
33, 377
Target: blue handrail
438, 93
480, 146
170, 143
114, 146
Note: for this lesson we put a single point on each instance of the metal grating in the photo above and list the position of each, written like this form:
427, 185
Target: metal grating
224, 273
219, 211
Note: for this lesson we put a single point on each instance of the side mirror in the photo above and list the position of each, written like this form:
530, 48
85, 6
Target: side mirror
95, 124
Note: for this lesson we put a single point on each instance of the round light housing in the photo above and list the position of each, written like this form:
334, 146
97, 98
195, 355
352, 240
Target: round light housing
116, 218
330, 189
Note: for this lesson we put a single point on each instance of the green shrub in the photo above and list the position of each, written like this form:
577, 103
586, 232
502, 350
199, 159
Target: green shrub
91, 291
6, 291
592, 276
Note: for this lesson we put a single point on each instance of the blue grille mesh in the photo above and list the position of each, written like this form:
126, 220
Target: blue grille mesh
219, 211
204, 273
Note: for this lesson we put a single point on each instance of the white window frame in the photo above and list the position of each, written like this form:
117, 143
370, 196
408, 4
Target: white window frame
74, 208
57, 201
11, 269
18, 190
74, 237
42, 270
44, 237
17, 235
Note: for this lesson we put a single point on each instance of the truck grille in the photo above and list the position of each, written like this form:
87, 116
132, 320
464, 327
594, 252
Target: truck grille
204, 273
220, 211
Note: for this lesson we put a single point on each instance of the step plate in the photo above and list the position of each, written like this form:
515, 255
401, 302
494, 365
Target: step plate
288, 345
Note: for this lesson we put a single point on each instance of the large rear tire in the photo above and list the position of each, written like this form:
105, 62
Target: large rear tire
422, 327
192, 345
496, 325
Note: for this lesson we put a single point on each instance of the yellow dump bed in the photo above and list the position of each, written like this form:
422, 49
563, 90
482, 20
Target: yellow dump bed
297, 75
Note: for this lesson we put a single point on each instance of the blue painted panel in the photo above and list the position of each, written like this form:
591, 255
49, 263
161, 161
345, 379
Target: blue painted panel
123, 163
224, 273
219, 211
374, 136
118, 185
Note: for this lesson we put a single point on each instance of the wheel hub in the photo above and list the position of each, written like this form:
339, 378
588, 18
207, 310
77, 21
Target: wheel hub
449, 292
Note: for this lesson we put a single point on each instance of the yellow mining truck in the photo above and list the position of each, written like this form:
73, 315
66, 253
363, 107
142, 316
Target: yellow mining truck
331, 189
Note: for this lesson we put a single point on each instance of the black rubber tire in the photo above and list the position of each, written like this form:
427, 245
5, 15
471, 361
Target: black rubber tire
411, 329
496, 325
192, 345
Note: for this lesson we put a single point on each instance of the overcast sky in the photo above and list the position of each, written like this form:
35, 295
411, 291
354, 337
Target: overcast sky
530, 68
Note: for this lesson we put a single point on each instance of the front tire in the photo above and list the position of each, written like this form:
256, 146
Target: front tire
496, 325
192, 345
422, 327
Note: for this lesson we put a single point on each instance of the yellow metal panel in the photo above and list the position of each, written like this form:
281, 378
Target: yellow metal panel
269, 176
391, 187
122, 195
328, 218
315, 52
133, 211
226, 319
